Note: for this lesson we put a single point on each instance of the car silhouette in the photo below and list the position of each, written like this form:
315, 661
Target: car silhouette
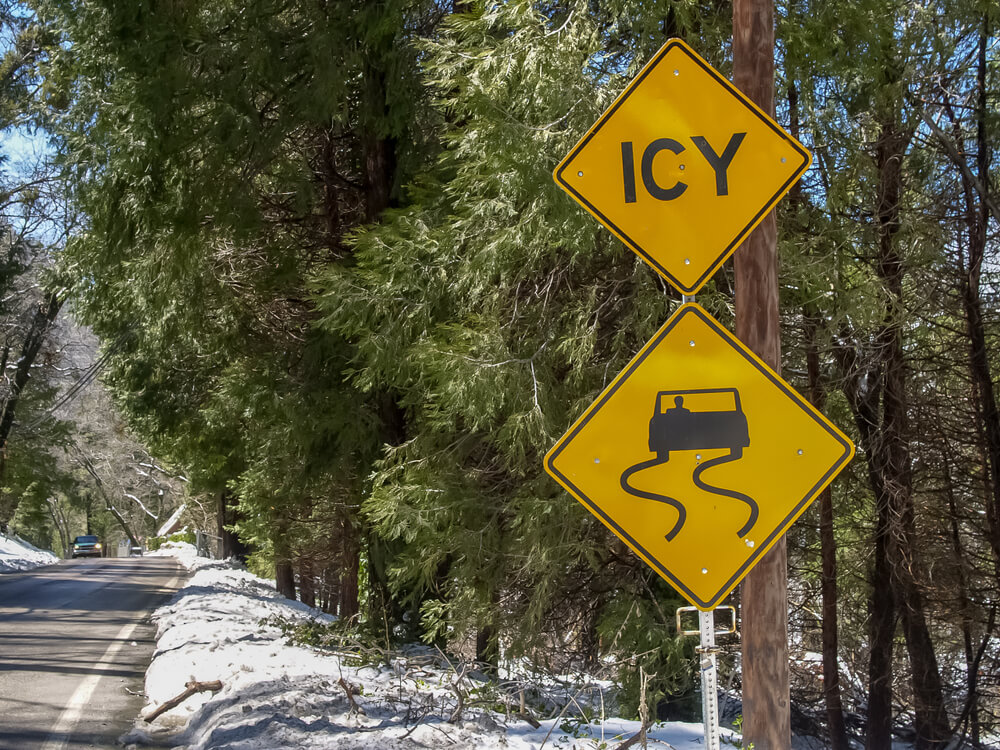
676, 428
86, 546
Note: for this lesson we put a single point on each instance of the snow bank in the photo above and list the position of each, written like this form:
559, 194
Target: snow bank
185, 553
17, 554
224, 625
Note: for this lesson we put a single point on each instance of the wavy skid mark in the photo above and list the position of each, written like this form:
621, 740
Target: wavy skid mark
672, 502
751, 503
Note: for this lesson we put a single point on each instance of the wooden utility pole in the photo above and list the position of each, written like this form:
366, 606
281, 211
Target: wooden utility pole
766, 718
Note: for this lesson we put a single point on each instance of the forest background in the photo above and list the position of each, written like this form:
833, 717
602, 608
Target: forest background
342, 302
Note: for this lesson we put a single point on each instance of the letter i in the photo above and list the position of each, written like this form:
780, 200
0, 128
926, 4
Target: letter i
628, 171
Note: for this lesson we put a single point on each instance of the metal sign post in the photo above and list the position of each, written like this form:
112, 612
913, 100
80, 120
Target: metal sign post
709, 679
709, 667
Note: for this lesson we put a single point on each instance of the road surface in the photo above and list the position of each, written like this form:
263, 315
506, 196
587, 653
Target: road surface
75, 641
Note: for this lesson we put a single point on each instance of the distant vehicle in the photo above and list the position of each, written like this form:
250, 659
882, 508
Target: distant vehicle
86, 546
135, 551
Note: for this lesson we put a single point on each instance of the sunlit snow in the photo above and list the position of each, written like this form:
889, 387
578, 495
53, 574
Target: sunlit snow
277, 695
17, 554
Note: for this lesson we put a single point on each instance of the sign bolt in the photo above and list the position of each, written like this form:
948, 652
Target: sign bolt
580, 173
800, 451
749, 542
677, 72
691, 342
704, 571
597, 460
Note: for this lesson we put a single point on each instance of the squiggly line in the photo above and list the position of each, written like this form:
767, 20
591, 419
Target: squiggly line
751, 503
672, 502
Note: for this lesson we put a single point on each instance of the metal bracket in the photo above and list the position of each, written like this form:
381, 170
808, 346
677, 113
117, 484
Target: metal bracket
681, 611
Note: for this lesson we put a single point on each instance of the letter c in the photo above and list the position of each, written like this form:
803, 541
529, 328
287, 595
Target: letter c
660, 193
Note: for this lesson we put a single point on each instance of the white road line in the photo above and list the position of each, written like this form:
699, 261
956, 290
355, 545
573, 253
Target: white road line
68, 719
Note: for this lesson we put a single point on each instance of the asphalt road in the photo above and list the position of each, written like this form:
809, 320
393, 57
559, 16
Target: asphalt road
75, 641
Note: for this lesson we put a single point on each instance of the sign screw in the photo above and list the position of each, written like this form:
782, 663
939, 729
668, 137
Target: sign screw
687, 261
597, 460
677, 72
682, 167
800, 451
704, 571
749, 542
691, 342
579, 174
783, 159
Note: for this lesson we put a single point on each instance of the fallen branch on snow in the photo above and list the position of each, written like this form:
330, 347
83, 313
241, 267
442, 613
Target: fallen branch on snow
192, 688
635, 738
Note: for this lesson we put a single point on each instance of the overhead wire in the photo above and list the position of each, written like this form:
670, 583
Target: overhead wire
85, 379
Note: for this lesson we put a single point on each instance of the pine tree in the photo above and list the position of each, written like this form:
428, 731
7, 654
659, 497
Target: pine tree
498, 310
222, 153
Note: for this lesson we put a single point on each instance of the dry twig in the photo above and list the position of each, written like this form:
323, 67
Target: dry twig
192, 687
350, 690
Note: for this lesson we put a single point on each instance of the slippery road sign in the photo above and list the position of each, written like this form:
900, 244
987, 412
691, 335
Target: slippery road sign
698, 456
682, 166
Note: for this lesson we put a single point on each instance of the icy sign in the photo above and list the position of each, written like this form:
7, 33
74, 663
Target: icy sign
682, 166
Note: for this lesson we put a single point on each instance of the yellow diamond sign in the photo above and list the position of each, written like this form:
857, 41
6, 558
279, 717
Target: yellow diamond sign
682, 166
698, 456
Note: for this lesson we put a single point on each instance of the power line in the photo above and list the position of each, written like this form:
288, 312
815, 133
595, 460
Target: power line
85, 379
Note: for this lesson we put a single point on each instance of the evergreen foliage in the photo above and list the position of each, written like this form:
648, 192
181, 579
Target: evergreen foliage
340, 288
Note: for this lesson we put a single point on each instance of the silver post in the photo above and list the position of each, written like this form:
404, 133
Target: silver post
686, 298
709, 679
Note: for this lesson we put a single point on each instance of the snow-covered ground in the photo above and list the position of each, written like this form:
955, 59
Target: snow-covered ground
17, 554
224, 625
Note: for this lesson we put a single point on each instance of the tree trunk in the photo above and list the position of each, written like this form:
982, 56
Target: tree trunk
379, 145
882, 611
133, 540
964, 604
61, 524
41, 322
977, 218
383, 606
307, 584
487, 649
896, 525
350, 568
831, 660
228, 513
284, 576
812, 323
488, 636
828, 554
766, 705
875, 386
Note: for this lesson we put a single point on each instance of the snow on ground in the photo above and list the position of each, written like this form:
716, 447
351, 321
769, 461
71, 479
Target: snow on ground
224, 625
186, 554
17, 554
